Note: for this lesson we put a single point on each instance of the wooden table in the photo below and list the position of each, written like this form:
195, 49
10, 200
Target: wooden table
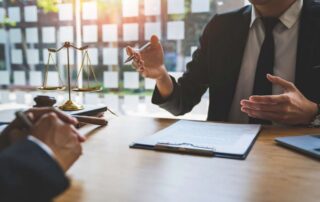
110, 171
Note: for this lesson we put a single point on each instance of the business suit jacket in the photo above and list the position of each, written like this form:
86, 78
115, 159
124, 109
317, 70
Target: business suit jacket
217, 62
27, 173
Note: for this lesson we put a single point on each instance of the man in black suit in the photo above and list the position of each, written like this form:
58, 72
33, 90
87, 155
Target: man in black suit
260, 63
32, 167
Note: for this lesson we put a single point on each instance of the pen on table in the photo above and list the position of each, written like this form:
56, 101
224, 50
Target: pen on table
147, 45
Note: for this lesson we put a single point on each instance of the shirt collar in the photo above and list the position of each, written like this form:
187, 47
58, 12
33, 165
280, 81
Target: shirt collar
288, 18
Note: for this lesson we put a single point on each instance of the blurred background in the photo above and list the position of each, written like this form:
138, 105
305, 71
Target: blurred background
28, 28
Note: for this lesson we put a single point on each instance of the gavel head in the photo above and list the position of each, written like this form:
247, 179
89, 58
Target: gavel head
44, 101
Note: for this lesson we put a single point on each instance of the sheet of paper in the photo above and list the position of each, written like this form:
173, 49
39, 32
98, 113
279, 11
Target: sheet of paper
130, 8
16, 56
5, 76
35, 78
111, 79
152, 7
90, 33
15, 35
89, 11
222, 138
131, 80
14, 14
110, 56
175, 30
30, 14
66, 34
48, 34
33, 56
19, 78
65, 12
93, 54
110, 32
152, 28
176, 6
32, 35
200, 6
131, 32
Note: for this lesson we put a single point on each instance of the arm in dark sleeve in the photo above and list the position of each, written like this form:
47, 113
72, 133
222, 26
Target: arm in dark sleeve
192, 85
27, 173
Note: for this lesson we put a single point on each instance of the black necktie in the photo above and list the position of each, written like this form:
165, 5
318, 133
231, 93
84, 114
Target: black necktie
265, 64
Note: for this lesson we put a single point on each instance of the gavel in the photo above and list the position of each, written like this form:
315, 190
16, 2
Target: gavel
46, 101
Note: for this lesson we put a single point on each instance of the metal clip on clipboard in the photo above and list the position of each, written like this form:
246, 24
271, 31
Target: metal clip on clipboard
185, 148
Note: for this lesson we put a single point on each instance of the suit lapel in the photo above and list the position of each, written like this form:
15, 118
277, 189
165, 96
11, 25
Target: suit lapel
228, 74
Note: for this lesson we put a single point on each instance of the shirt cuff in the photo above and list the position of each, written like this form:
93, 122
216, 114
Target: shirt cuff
42, 145
157, 99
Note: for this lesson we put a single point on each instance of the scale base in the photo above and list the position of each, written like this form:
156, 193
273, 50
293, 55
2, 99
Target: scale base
71, 106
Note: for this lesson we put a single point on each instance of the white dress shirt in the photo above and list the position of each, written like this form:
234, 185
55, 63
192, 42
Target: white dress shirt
286, 41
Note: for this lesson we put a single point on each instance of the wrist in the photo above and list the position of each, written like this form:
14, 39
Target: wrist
164, 75
315, 110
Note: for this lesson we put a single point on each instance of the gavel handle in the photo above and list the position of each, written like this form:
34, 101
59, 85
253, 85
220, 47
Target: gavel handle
91, 120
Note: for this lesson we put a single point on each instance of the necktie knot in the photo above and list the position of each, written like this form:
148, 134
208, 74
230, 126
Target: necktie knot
269, 23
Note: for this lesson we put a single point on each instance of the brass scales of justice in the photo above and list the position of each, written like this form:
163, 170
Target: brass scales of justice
70, 105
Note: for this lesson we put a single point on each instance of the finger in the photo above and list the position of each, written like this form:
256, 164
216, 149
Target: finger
271, 116
135, 65
137, 56
263, 107
129, 50
30, 116
154, 40
81, 138
270, 99
77, 134
65, 117
281, 82
38, 112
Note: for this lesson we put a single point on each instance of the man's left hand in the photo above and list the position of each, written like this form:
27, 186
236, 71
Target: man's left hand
291, 107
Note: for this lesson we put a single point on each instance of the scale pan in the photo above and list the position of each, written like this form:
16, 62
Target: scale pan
91, 89
52, 88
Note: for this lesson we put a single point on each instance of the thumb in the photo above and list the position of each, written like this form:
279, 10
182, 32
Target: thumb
154, 40
287, 85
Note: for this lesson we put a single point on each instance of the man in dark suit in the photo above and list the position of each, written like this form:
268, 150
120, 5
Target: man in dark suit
32, 167
260, 63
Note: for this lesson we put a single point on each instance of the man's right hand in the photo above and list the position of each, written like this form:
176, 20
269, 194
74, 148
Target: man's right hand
150, 64
61, 136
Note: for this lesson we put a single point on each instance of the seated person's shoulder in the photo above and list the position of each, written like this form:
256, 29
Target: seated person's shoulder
227, 19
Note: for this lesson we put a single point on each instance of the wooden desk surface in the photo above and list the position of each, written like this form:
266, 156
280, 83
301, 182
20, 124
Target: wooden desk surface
110, 171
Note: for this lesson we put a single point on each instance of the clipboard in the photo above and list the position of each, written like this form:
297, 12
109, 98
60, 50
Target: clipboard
177, 139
